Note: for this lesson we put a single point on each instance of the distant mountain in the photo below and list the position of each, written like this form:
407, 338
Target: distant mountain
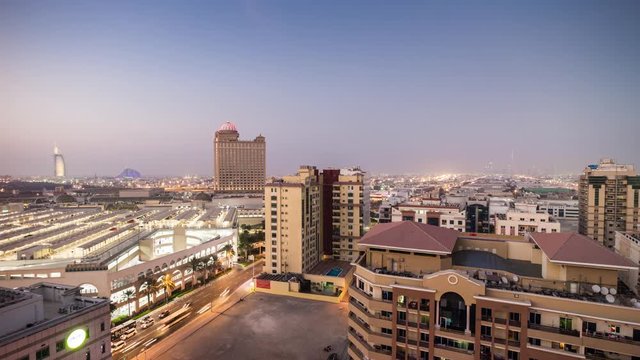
129, 174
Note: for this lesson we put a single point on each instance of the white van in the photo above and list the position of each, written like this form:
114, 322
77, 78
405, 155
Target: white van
117, 345
127, 334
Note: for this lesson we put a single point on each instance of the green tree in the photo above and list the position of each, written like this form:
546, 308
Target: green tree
166, 283
128, 294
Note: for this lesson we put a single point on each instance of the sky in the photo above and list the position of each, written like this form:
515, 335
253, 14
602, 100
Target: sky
391, 86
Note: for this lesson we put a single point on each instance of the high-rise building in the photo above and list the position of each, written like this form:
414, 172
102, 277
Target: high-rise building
426, 292
58, 163
292, 222
608, 201
239, 165
345, 212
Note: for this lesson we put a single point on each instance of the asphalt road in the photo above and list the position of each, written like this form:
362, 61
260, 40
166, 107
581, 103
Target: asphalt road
198, 301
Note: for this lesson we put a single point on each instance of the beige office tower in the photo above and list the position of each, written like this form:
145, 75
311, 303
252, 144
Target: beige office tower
346, 212
608, 201
292, 222
239, 165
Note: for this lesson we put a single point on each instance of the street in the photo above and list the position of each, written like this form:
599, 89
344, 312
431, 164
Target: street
190, 306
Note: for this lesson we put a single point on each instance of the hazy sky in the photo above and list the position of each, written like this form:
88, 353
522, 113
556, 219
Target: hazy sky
391, 86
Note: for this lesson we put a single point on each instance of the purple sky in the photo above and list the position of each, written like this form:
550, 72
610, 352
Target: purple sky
391, 86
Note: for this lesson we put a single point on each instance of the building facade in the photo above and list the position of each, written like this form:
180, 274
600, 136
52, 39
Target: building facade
446, 216
628, 245
477, 216
346, 212
51, 321
293, 219
520, 222
239, 165
609, 199
424, 292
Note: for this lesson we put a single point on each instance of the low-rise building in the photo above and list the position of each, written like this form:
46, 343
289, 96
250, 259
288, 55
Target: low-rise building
50, 321
521, 221
424, 292
443, 215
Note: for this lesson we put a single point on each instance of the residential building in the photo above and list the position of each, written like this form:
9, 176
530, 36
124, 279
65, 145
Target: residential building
345, 211
525, 219
443, 215
51, 321
425, 292
293, 219
239, 165
609, 195
628, 245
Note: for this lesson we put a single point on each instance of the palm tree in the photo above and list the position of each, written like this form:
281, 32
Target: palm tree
167, 284
128, 294
148, 289
229, 252
214, 262
196, 265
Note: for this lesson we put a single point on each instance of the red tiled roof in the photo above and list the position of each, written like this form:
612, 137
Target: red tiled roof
572, 248
409, 235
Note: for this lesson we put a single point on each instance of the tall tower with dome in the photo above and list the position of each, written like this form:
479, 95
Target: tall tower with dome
239, 166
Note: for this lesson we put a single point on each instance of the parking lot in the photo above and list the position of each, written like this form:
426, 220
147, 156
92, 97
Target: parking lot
267, 326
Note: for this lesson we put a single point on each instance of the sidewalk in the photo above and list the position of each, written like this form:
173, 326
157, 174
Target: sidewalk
182, 333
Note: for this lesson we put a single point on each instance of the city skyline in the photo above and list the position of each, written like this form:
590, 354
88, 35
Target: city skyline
424, 86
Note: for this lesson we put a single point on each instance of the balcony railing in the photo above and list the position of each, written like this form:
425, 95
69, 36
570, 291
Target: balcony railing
554, 329
364, 310
366, 344
486, 318
453, 348
515, 323
612, 337
500, 321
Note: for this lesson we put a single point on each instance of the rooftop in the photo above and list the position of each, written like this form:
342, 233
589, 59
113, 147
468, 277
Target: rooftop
579, 250
412, 236
228, 126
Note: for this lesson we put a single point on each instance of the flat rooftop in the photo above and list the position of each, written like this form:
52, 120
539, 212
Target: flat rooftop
327, 266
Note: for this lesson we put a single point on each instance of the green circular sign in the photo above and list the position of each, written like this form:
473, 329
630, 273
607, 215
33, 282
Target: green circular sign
76, 338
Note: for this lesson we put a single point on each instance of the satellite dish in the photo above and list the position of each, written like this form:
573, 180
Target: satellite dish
613, 291
504, 280
610, 298
637, 304
515, 278
604, 291
634, 300
595, 288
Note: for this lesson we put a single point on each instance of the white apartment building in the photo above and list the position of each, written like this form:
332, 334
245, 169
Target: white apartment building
523, 220
446, 216
627, 244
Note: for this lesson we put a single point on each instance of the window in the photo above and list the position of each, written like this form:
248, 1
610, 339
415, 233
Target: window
485, 331
387, 331
402, 333
87, 356
514, 317
60, 346
512, 355
42, 353
565, 324
534, 341
387, 295
402, 316
103, 348
102, 326
534, 318
386, 314
486, 314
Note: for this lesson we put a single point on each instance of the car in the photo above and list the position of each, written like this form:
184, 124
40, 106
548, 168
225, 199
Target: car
127, 334
147, 323
164, 314
186, 305
117, 345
